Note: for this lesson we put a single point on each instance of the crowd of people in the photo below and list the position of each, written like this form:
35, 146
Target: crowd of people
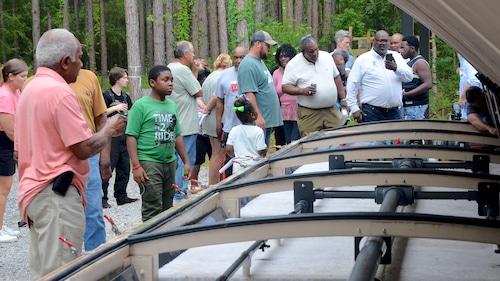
63, 183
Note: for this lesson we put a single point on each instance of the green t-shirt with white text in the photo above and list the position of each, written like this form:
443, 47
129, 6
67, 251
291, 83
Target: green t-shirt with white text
155, 125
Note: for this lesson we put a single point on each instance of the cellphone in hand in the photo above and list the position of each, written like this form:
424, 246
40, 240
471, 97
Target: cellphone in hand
389, 57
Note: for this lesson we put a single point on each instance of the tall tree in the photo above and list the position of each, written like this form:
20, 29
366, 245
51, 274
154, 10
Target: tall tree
104, 45
204, 28
142, 35
134, 63
259, 11
328, 16
169, 30
76, 12
158, 32
35, 32
299, 13
90, 38
212, 25
276, 10
221, 8
241, 25
289, 9
65, 14
315, 18
16, 37
195, 24
149, 32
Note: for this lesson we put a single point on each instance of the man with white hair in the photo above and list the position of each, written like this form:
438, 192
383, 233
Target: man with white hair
343, 41
52, 144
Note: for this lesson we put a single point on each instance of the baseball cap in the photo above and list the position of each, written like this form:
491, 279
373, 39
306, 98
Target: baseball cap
263, 36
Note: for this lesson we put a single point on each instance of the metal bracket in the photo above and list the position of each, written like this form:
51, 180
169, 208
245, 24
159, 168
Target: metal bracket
386, 258
336, 161
488, 200
481, 164
304, 190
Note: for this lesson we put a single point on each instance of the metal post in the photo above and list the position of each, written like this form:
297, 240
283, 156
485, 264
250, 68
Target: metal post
369, 257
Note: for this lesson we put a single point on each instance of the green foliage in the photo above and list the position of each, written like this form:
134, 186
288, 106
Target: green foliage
367, 14
182, 19
447, 81
283, 33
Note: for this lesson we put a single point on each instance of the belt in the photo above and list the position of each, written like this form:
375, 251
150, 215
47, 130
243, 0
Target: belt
384, 109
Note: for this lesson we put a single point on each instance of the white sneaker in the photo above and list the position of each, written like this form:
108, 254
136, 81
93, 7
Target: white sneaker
10, 231
5, 238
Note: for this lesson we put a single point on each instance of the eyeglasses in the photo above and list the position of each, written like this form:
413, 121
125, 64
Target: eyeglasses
382, 40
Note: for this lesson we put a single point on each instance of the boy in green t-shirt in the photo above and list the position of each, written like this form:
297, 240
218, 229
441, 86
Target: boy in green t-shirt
153, 132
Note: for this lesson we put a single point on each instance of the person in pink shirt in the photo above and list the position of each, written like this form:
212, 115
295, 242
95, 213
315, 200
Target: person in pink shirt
283, 55
52, 143
14, 73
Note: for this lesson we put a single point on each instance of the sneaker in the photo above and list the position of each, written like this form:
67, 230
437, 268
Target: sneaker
10, 232
6, 238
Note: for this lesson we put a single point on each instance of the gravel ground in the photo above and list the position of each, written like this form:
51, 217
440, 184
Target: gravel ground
14, 257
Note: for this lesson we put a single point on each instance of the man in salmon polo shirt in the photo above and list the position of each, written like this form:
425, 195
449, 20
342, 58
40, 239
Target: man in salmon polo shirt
52, 143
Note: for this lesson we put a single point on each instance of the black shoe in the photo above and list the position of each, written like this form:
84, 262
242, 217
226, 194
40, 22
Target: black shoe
126, 201
21, 224
105, 204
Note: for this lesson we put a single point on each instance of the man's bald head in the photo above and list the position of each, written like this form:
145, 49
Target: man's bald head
396, 40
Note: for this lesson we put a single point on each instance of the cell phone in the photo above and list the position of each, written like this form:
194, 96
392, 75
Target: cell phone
389, 57
62, 183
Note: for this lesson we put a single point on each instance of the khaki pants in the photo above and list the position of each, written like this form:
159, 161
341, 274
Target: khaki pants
51, 215
312, 120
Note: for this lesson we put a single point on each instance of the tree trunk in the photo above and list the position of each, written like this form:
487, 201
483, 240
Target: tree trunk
289, 10
134, 66
104, 45
35, 32
241, 25
328, 16
65, 12
169, 27
259, 11
277, 10
149, 35
142, 34
195, 23
76, 12
15, 44
89, 22
299, 12
315, 18
223, 44
204, 29
212, 27
158, 32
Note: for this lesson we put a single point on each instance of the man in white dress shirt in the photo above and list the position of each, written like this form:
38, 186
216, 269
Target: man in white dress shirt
378, 76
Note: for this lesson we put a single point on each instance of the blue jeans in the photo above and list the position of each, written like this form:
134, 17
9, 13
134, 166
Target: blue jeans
190, 144
267, 136
291, 131
373, 113
416, 112
95, 230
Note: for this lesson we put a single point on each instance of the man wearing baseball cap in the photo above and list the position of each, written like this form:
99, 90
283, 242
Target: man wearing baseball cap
255, 81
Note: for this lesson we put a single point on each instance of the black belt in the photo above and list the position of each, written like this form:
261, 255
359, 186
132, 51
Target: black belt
384, 109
